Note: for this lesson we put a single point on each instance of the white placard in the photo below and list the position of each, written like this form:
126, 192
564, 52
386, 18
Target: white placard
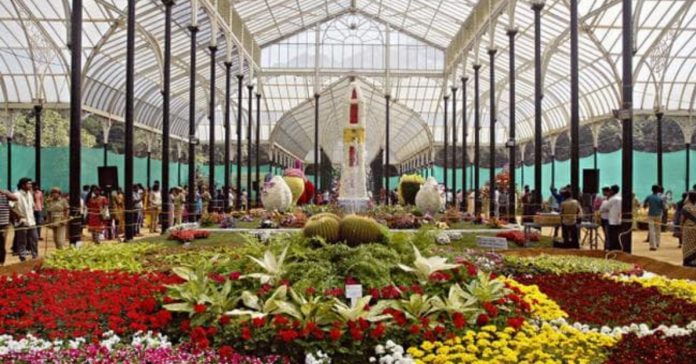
490, 242
354, 292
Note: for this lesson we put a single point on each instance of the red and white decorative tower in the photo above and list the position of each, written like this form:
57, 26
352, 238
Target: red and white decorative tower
353, 189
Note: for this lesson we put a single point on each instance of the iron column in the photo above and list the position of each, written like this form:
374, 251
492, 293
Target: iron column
211, 119
37, 143
511, 129
445, 162
250, 126
659, 116
454, 144
258, 147
75, 123
316, 140
166, 95
537, 103
228, 96
627, 148
191, 198
387, 98
574, 102
129, 130
238, 203
491, 133
465, 200
477, 157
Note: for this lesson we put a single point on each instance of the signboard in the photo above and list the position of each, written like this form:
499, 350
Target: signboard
489, 242
354, 292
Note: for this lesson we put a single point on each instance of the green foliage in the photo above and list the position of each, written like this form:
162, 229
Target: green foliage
125, 257
356, 230
324, 225
560, 264
408, 188
54, 127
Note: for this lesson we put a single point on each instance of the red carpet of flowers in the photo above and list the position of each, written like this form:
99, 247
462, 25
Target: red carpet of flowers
591, 299
69, 304
654, 349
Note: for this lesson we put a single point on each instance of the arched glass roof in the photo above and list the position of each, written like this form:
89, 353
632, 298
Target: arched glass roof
403, 48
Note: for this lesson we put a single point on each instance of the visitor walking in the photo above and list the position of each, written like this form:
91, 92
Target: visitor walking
57, 215
138, 194
677, 220
527, 206
25, 228
5, 198
689, 230
656, 208
178, 201
38, 208
155, 204
97, 207
613, 210
570, 213
604, 213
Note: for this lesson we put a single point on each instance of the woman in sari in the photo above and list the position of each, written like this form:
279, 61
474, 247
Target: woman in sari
688, 230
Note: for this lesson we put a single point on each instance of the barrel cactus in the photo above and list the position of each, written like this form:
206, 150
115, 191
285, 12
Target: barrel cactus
408, 188
322, 215
323, 225
356, 230
276, 195
428, 199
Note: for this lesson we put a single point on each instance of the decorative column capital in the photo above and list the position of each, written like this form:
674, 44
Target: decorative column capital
168, 3
511, 32
492, 51
477, 67
454, 89
240, 76
464, 79
227, 64
538, 5
213, 49
193, 29
387, 96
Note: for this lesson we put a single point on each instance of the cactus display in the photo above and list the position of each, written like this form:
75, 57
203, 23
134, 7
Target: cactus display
429, 200
409, 185
276, 195
322, 215
325, 226
356, 230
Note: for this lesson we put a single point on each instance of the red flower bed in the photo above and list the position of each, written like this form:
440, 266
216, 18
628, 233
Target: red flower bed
591, 299
518, 237
186, 236
68, 304
654, 349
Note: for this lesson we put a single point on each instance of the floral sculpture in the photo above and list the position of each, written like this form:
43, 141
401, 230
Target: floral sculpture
295, 179
428, 199
276, 194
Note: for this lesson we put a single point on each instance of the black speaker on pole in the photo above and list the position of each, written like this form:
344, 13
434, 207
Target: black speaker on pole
590, 181
108, 177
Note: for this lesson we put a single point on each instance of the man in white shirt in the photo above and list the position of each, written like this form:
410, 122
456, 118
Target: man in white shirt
613, 211
27, 236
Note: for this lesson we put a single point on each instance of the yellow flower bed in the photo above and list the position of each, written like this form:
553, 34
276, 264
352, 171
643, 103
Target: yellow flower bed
530, 344
680, 288
542, 306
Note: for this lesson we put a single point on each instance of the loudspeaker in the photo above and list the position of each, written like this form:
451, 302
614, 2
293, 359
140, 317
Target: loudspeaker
590, 181
108, 176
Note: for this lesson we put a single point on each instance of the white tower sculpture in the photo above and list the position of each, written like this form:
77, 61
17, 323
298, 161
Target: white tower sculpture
353, 190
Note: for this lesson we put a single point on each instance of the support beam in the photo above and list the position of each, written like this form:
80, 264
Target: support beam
75, 123
627, 123
491, 134
465, 199
454, 144
166, 104
37, 143
250, 125
688, 165
9, 164
477, 143
446, 160
228, 106
574, 102
240, 85
191, 197
659, 115
211, 119
387, 99
512, 200
316, 141
130, 214
258, 148
537, 104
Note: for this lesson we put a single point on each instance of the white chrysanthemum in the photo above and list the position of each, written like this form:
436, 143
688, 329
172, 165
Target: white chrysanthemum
428, 199
276, 195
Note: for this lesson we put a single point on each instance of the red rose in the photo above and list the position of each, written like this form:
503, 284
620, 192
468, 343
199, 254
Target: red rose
246, 333
414, 329
224, 320
458, 320
491, 309
258, 322
378, 331
335, 334
226, 352
482, 319
235, 276
199, 308
515, 322
310, 291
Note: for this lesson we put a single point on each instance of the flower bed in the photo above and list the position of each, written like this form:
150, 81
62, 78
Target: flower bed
287, 297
